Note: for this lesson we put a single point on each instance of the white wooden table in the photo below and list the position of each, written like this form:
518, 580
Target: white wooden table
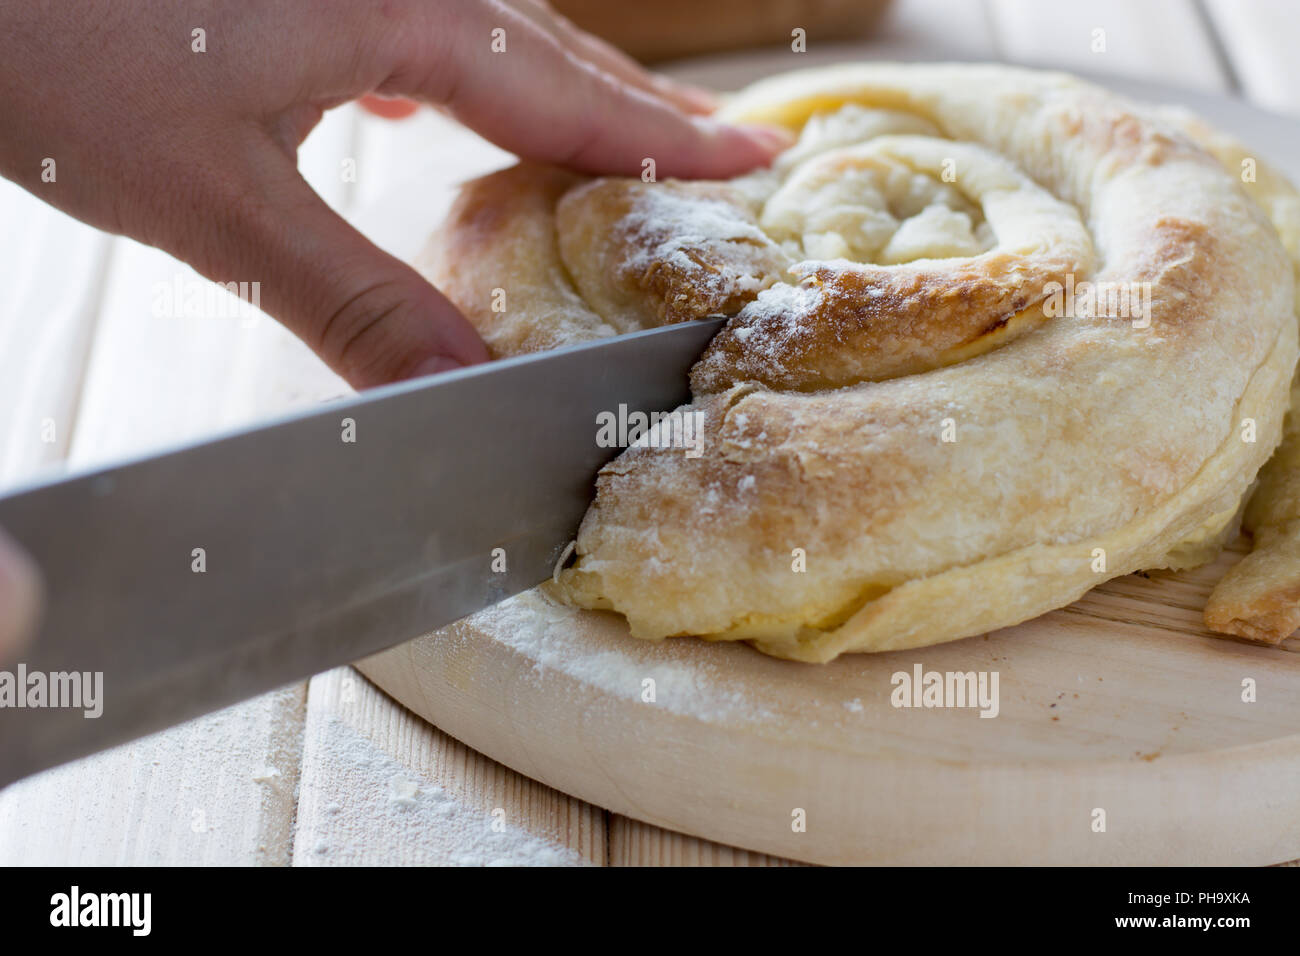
331, 771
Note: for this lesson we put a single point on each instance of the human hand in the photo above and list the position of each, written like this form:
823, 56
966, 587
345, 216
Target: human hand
195, 152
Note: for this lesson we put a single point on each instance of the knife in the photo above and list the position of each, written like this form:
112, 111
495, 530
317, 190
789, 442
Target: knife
217, 571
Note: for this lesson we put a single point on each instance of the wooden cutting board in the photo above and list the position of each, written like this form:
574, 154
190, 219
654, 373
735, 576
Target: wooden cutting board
1121, 702
1125, 733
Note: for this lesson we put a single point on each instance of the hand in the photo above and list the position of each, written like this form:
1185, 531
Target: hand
20, 598
196, 152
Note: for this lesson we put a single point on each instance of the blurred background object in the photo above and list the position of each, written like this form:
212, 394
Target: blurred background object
667, 29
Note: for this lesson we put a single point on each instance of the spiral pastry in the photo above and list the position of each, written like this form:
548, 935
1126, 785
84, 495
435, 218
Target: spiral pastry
995, 337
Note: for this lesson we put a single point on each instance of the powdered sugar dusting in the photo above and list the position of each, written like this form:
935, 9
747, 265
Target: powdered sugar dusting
667, 226
686, 220
784, 302
767, 329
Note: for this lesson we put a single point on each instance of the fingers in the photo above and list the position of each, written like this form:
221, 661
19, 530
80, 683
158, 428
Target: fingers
529, 91
692, 99
615, 62
20, 598
371, 317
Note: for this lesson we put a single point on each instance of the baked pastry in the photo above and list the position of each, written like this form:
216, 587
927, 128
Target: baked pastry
1259, 598
996, 336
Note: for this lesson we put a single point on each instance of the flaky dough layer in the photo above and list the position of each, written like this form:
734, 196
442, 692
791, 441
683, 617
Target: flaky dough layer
906, 440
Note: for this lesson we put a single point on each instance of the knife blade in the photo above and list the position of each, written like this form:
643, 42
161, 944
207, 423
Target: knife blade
214, 572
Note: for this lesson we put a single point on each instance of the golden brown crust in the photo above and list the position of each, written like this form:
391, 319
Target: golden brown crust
638, 264
497, 258
873, 324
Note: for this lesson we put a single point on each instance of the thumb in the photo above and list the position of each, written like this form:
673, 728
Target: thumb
371, 317
20, 598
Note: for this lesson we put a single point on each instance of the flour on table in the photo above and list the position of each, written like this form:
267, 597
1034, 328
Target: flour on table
387, 799
402, 791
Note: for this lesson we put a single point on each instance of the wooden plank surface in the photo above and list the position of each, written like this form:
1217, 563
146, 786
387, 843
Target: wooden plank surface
150, 383
933, 29
57, 269
216, 791
1164, 40
1259, 39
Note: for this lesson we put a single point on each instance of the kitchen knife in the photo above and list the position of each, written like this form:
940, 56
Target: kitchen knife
215, 572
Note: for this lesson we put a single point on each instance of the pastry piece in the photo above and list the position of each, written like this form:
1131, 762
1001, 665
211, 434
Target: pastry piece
1259, 598
994, 336
498, 258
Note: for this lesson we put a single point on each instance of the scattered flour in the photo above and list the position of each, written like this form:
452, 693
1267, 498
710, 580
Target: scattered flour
394, 816
402, 791
684, 681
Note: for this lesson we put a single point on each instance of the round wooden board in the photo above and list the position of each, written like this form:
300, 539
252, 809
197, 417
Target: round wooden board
1121, 703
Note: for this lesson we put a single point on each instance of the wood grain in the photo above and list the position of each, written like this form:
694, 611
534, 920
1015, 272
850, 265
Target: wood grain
153, 385
633, 843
